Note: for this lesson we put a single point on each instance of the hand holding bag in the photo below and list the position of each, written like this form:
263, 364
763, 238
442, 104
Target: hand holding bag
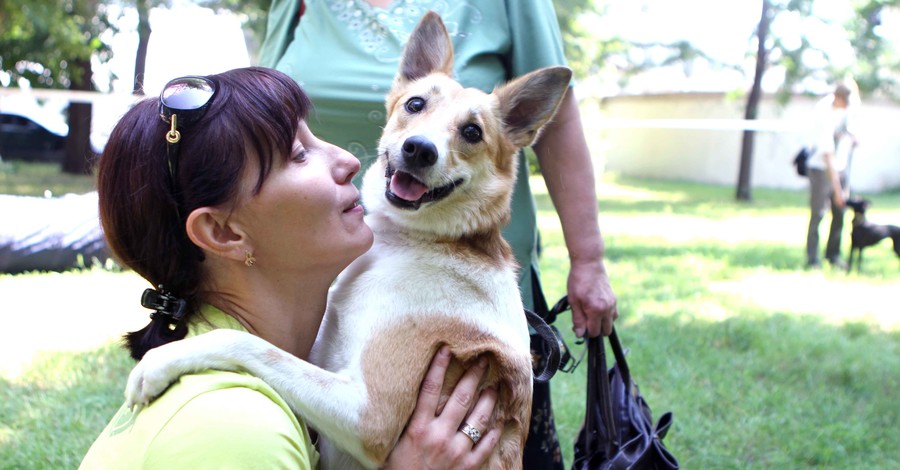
618, 431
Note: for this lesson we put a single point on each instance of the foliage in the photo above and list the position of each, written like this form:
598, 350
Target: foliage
803, 61
877, 65
41, 40
589, 51
792, 50
574, 36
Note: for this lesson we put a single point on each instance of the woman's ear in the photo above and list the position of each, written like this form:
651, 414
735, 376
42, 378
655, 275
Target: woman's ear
211, 230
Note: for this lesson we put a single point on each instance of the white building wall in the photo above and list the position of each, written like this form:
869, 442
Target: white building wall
697, 137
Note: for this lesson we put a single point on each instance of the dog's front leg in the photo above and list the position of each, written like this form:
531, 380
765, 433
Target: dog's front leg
329, 402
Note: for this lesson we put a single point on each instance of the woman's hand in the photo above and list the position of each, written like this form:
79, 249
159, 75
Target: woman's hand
432, 440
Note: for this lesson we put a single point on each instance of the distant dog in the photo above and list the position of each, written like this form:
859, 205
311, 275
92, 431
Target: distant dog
439, 272
866, 234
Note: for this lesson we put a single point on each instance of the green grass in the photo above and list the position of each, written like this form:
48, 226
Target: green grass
52, 412
35, 179
750, 386
764, 364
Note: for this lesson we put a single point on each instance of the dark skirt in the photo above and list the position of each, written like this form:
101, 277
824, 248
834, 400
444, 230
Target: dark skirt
542, 451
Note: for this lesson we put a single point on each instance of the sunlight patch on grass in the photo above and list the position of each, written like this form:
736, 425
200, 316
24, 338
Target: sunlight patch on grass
70, 311
633, 193
836, 300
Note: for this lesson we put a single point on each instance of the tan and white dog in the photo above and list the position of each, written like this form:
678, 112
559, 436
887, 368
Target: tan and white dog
439, 271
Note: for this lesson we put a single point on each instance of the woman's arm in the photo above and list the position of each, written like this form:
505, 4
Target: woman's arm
567, 168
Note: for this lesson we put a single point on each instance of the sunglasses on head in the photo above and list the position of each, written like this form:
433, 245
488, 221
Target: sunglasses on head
183, 102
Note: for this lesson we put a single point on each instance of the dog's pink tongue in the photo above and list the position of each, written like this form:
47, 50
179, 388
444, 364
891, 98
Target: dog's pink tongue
404, 186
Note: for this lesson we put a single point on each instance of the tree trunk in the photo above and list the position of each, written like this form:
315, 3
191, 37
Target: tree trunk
79, 155
744, 181
140, 61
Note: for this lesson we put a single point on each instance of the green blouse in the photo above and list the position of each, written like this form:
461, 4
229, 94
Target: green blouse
345, 54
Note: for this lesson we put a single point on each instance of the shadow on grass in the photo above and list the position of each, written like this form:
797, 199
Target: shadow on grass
718, 261
759, 390
50, 415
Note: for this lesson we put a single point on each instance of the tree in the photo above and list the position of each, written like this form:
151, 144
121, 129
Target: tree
789, 52
872, 69
50, 43
144, 31
750, 111
877, 66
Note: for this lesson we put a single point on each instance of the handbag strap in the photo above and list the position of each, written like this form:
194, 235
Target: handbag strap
551, 365
619, 354
539, 320
600, 372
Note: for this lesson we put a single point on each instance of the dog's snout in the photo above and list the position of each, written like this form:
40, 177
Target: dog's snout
419, 152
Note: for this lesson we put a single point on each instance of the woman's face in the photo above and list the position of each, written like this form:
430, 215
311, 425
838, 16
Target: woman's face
307, 214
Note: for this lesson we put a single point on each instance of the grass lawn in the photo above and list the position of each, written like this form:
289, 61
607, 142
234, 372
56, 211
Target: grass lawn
40, 179
764, 364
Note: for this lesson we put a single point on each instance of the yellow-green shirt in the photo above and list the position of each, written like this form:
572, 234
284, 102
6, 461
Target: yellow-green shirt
212, 419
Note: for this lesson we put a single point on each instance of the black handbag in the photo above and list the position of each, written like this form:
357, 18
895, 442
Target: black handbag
800, 160
618, 431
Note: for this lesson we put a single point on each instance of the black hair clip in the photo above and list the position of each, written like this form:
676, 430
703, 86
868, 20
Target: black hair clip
164, 303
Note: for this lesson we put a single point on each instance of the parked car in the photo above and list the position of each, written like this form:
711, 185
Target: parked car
22, 138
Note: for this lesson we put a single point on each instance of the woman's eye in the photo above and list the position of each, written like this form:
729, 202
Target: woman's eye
415, 105
472, 133
299, 155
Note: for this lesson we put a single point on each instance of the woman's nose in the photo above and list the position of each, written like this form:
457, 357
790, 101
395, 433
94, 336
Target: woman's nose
347, 165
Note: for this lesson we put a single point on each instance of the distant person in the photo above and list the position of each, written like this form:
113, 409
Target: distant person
828, 172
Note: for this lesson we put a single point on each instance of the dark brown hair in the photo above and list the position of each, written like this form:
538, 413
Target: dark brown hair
255, 114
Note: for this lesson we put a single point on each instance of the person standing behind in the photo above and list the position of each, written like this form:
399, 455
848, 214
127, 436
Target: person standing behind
346, 53
828, 172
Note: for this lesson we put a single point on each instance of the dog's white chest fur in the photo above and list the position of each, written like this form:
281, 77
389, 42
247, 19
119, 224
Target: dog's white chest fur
401, 281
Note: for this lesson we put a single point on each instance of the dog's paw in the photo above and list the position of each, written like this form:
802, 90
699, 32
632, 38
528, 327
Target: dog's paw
149, 379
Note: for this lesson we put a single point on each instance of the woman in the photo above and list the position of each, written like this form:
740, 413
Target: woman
357, 44
219, 194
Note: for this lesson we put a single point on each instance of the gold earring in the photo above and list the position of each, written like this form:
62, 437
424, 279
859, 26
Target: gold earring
249, 260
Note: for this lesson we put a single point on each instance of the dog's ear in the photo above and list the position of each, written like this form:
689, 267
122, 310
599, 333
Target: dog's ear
429, 50
530, 101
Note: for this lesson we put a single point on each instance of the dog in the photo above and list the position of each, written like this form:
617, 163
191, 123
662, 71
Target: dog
439, 272
865, 234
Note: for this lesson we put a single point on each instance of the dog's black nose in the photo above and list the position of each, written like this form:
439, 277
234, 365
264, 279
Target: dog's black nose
419, 152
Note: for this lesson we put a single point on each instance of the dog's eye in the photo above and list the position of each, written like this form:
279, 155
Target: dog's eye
415, 105
472, 133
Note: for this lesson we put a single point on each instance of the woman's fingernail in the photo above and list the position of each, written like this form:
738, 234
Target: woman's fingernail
444, 351
482, 362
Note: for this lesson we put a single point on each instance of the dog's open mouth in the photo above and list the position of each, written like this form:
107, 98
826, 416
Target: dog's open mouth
406, 192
